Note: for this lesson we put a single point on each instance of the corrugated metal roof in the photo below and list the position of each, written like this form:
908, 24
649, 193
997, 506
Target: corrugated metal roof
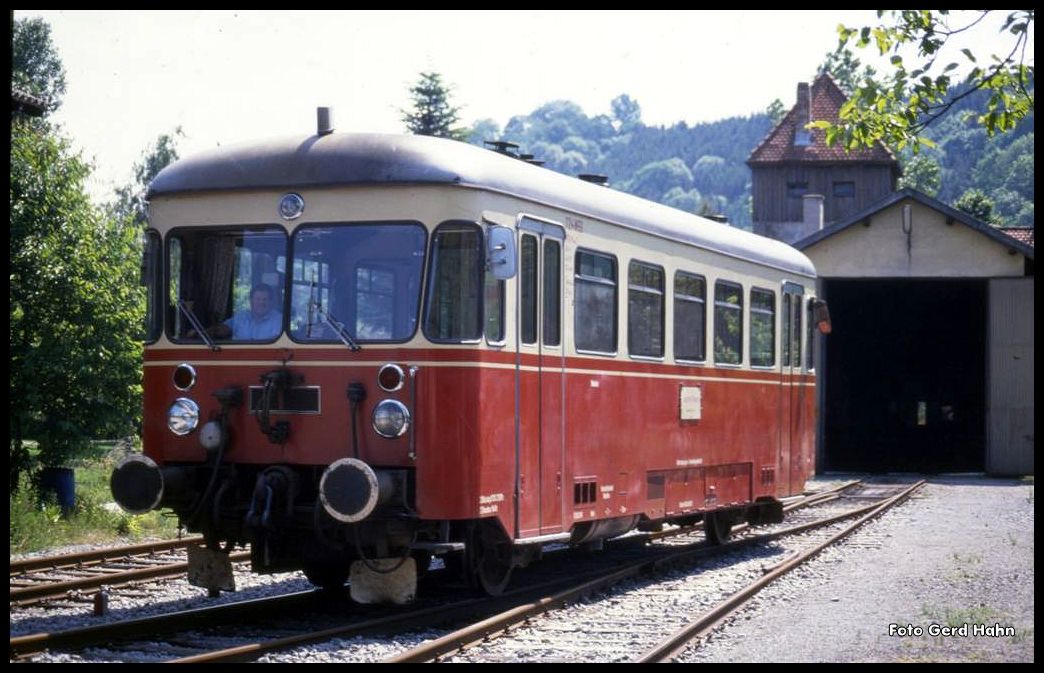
358, 159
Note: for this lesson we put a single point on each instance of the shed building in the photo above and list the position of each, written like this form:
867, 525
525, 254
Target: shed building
930, 364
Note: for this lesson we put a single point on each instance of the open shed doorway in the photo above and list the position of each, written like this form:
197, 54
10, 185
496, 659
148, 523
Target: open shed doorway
905, 375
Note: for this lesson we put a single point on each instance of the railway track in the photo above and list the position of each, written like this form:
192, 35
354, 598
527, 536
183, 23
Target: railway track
523, 626
547, 596
70, 575
708, 621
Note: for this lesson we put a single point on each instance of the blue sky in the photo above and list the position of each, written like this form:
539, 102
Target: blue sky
227, 77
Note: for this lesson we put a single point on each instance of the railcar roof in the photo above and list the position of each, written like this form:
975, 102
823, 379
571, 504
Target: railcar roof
363, 158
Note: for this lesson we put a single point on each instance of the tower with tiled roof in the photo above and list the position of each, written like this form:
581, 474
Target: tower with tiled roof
799, 184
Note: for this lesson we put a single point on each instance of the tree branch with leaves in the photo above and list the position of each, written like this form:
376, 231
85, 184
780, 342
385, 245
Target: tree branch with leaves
897, 108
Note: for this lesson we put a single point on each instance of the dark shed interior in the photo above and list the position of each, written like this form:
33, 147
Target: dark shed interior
905, 386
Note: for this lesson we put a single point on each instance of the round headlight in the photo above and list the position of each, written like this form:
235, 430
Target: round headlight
391, 418
183, 416
390, 377
184, 376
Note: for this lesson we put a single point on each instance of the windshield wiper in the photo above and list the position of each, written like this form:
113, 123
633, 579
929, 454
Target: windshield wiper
197, 325
337, 326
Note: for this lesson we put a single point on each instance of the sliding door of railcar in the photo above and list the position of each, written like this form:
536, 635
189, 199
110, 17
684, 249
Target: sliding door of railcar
541, 378
791, 391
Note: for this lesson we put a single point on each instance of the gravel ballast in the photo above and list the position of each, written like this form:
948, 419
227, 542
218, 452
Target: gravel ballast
959, 553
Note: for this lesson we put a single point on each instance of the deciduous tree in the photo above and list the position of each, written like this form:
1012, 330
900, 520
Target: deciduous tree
35, 66
76, 308
897, 107
130, 199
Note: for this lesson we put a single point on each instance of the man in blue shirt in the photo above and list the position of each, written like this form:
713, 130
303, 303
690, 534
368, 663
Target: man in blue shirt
261, 322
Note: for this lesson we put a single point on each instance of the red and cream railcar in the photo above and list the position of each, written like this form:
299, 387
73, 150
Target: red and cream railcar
463, 354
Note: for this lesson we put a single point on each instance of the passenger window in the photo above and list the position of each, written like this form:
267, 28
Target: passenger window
552, 293
595, 299
528, 288
728, 323
645, 310
494, 307
762, 327
455, 283
795, 326
690, 317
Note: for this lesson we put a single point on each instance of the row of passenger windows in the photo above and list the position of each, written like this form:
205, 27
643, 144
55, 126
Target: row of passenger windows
596, 316
596, 320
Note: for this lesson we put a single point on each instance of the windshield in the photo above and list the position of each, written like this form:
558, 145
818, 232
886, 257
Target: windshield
364, 278
226, 283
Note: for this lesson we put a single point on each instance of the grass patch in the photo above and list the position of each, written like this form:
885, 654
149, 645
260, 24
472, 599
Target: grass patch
37, 522
955, 617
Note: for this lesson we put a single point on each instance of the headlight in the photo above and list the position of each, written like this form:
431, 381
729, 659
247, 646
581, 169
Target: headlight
184, 376
390, 377
183, 416
391, 418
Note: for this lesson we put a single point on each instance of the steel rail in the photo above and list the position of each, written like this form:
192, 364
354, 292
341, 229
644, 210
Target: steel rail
22, 566
45, 589
677, 643
417, 619
802, 501
469, 635
33, 643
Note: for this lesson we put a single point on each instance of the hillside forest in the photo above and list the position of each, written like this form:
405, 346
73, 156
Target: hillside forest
701, 168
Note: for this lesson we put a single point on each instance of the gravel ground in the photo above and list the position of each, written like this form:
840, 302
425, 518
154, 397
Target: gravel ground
960, 552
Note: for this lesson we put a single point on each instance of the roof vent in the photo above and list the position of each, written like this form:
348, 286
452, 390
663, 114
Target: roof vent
594, 178
530, 159
502, 147
324, 121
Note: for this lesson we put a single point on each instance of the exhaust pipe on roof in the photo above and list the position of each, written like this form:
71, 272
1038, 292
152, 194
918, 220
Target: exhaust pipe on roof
324, 125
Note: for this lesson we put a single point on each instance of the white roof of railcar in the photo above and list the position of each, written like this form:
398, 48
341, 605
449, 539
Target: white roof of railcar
339, 159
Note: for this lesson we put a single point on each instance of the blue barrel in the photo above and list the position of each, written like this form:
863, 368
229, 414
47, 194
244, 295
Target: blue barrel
62, 482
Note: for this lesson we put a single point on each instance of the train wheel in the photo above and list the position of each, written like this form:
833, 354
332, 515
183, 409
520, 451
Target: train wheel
326, 575
489, 559
718, 528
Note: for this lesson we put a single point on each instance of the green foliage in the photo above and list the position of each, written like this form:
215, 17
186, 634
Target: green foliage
627, 114
697, 169
1001, 166
897, 108
432, 114
483, 130
36, 522
922, 173
844, 67
35, 67
776, 111
75, 305
130, 199
654, 180
978, 205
